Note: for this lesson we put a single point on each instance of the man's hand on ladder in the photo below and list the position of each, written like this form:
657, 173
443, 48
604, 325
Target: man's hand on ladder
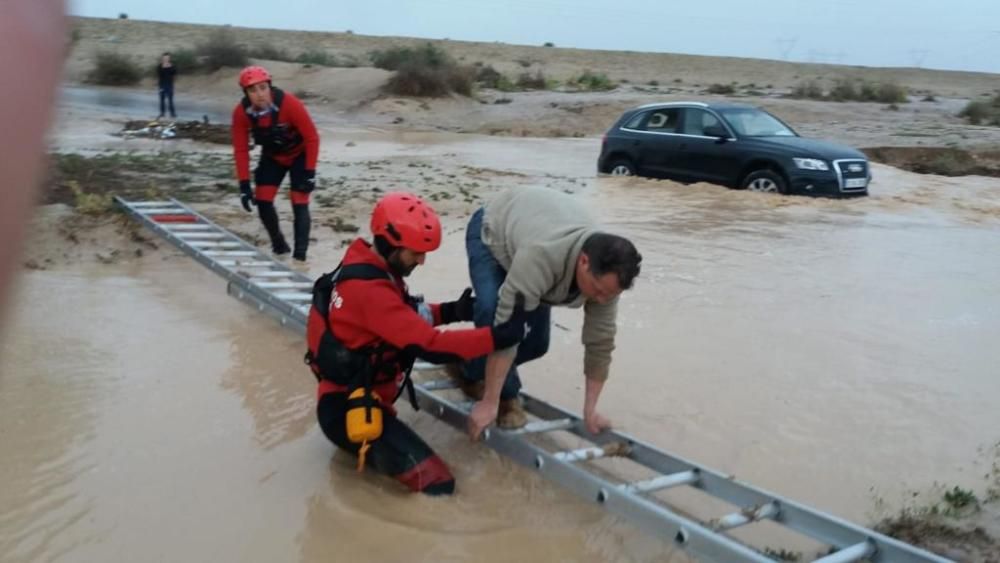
483, 414
595, 422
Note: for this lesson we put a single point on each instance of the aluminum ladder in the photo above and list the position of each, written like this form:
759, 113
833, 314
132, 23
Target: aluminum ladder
285, 294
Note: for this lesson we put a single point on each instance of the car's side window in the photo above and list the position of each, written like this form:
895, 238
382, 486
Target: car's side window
701, 122
662, 121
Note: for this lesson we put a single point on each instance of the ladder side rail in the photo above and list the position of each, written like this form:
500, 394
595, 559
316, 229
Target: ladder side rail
654, 518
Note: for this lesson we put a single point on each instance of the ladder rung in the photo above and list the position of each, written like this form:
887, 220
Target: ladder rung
164, 211
439, 384
243, 264
230, 253
855, 552
187, 227
294, 296
201, 235
744, 517
284, 285
545, 426
275, 274
583, 454
150, 203
662, 482
215, 244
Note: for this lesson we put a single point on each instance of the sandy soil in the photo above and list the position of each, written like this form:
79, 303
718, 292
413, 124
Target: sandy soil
352, 95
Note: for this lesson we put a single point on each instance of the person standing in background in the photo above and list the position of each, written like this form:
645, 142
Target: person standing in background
165, 73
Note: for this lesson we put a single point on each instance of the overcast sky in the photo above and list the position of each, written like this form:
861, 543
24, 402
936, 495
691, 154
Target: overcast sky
957, 34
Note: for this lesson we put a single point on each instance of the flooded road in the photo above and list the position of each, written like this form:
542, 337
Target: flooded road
836, 352
147, 417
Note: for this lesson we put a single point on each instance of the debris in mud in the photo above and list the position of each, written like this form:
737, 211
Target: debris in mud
340, 226
88, 183
941, 537
938, 160
193, 130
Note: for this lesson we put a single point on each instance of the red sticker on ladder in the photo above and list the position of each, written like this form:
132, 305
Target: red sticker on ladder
174, 218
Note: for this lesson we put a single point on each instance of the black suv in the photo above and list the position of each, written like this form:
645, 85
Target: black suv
734, 145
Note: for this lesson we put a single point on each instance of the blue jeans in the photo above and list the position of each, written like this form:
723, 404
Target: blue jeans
487, 276
167, 96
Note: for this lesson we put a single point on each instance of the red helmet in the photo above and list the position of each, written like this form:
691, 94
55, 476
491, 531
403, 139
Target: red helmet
405, 220
252, 75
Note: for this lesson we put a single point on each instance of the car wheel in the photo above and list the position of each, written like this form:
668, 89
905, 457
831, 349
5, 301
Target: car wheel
764, 181
622, 167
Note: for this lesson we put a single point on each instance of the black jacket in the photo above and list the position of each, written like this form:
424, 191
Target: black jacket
166, 76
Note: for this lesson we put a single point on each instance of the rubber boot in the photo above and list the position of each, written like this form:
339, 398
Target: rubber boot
269, 217
511, 414
471, 389
302, 224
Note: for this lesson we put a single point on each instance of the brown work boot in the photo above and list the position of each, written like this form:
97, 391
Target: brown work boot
511, 414
472, 389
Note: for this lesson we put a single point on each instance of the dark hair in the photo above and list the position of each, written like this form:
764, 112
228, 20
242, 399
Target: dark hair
165, 54
383, 246
613, 254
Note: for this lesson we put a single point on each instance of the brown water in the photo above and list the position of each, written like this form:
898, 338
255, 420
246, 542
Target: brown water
833, 352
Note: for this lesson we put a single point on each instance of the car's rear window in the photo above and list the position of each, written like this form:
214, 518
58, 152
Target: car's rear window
635, 121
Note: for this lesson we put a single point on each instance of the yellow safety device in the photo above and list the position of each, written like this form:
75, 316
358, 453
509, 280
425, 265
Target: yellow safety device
364, 420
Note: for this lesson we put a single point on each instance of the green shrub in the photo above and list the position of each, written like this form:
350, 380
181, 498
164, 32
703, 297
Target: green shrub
977, 112
425, 71
488, 77
115, 69
528, 81
592, 81
185, 60
891, 93
845, 90
269, 52
221, 51
317, 58
810, 90
414, 79
722, 89
395, 58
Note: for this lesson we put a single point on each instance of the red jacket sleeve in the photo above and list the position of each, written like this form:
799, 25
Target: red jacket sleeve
382, 312
294, 111
240, 131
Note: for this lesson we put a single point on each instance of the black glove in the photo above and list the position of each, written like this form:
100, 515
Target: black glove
308, 183
513, 330
458, 311
246, 195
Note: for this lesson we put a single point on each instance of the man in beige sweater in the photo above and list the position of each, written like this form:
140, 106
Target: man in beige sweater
546, 246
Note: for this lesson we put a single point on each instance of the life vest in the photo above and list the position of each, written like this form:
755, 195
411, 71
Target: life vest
362, 367
277, 138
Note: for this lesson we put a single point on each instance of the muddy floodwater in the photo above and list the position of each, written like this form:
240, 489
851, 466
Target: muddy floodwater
841, 353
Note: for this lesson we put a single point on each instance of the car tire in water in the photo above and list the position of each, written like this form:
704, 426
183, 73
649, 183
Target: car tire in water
622, 167
767, 181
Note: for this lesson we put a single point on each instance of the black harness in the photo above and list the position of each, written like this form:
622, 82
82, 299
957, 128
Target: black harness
276, 138
361, 367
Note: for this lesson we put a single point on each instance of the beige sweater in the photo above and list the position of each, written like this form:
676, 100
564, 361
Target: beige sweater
536, 234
